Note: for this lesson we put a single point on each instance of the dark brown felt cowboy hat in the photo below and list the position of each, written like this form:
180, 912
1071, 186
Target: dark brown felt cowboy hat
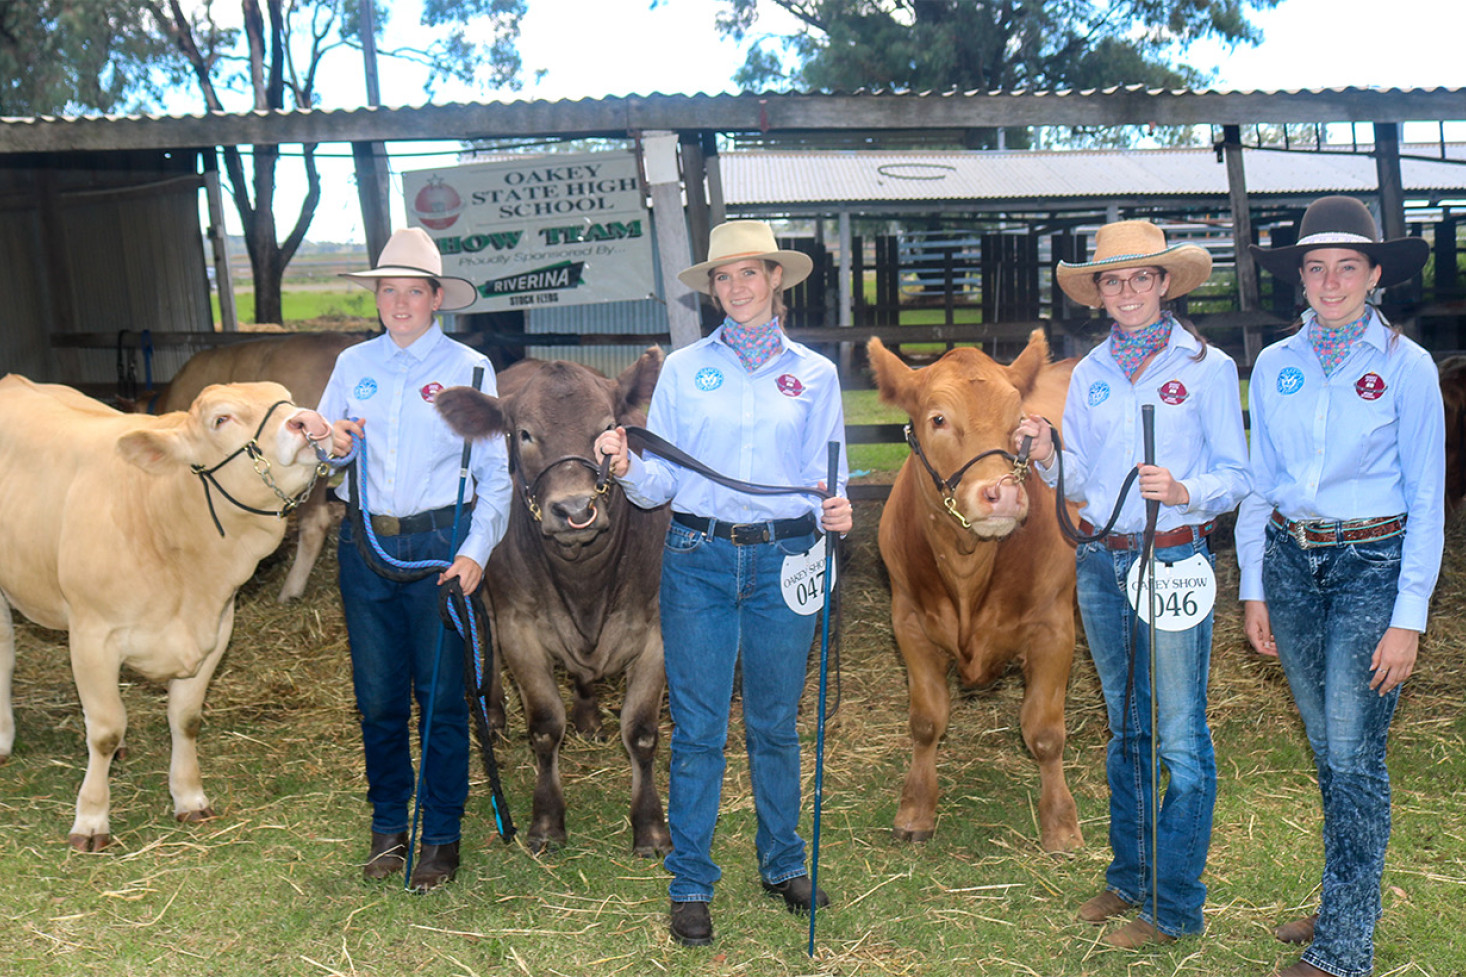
1343, 222
410, 253
1134, 244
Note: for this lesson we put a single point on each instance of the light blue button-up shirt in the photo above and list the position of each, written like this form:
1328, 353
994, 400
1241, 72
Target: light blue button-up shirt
771, 426
412, 455
1367, 442
1198, 433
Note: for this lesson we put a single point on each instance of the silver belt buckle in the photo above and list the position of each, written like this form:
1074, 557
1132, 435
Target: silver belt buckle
1298, 529
387, 525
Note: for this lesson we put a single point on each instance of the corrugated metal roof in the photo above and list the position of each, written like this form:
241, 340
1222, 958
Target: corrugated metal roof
771, 178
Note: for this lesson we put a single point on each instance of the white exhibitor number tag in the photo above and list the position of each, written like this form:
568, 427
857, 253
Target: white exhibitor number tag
1184, 592
803, 580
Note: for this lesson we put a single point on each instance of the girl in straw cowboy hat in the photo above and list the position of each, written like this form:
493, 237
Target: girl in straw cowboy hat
1340, 544
385, 387
750, 403
1150, 358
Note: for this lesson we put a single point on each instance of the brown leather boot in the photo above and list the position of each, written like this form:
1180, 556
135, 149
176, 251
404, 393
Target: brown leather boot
387, 857
1136, 934
1301, 969
435, 865
1103, 907
1298, 931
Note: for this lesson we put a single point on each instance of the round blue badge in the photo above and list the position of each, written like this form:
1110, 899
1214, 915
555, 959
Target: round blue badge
1290, 380
1099, 392
365, 387
708, 379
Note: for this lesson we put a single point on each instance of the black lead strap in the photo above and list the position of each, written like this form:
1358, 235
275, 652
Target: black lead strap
662, 447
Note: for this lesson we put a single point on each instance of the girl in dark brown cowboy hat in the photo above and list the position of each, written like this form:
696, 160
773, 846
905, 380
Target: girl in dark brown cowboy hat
1150, 359
1340, 544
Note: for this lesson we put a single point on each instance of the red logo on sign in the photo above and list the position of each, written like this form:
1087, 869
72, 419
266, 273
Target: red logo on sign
1173, 392
431, 391
1371, 386
790, 386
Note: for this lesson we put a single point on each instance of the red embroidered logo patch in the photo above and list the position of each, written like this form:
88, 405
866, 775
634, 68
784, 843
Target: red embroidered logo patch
1371, 386
1173, 392
790, 386
431, 391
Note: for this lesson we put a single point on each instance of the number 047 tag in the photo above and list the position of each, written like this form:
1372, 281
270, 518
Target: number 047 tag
1184, 592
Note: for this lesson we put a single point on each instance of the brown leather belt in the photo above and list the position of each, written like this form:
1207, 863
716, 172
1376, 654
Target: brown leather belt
749, 533
418, 522
1135, 541
1309, 534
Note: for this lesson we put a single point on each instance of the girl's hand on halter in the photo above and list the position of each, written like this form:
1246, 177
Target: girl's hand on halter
1042, 450
836, 514
612, 444
1156, 483
1394, 658
468, 572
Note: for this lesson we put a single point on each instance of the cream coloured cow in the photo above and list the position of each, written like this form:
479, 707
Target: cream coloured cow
81, 486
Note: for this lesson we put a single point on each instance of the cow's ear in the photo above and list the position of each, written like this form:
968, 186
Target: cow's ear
1023, 372
470, 413
895, 380
151, 450
635, 384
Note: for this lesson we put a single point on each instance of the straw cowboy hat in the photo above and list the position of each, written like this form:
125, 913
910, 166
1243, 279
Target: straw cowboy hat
1344, 222
740, 241
1134, 244
410, 253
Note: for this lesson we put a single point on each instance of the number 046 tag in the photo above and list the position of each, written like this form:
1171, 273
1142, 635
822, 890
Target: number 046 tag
1184, 592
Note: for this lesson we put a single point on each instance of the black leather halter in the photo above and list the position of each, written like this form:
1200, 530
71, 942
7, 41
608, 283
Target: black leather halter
289, 503
947, 487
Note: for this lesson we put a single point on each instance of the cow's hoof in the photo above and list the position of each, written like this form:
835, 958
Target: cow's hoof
194, 817
911, 835
1059, 842
541, 845
654, 845
4, 759
89, 842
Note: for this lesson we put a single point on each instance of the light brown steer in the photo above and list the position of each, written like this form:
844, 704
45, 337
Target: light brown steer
986, 594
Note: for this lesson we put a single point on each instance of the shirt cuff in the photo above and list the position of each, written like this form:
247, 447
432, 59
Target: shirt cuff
1410, 613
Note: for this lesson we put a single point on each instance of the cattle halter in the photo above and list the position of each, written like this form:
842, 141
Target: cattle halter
947, 487
531, 490
288, 503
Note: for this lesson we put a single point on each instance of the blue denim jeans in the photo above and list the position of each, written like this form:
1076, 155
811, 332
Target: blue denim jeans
1329, 606
393, 629
719, 602
1172, 903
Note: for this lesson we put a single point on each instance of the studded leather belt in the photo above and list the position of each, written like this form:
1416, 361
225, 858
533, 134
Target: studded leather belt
1309, 534
748, 533
1136, 541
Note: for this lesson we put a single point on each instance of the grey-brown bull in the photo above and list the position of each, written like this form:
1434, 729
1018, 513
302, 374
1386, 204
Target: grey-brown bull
575, 580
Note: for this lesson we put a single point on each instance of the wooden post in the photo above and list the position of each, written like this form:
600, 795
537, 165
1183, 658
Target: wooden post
1391, 187
717, 211
659, 163
694, 175
223, 280
1247, 296
847, 288
371, 175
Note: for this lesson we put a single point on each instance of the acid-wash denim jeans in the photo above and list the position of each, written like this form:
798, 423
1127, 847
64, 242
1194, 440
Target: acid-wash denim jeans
1329, 606
720, 602
1183, 661
393, 629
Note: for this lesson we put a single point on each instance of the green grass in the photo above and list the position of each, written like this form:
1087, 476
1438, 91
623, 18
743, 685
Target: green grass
272, 885
306, 304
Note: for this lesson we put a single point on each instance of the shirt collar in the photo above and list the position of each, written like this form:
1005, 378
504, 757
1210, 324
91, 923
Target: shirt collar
421, 347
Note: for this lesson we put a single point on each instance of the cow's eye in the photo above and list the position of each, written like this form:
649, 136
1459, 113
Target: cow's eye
525, 437
938, 420
220, 421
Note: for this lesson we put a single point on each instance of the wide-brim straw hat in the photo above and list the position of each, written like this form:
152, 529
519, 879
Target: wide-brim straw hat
1344, 222
1134, 244
745, 241
410, 253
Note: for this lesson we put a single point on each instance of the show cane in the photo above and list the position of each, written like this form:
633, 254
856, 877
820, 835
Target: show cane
1152, 513
427, 723
819, 739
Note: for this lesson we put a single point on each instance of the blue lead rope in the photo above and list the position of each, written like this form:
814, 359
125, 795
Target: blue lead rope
456, 609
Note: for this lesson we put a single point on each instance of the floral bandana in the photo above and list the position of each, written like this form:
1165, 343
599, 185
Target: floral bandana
1331, 346
755, 346
1130, 349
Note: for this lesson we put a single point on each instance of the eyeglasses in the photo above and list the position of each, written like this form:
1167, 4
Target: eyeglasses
1140, 283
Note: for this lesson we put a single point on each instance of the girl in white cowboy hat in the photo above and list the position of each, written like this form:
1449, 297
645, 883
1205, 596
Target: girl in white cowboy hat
1340, 544
1150, 358
750, 403
384, 389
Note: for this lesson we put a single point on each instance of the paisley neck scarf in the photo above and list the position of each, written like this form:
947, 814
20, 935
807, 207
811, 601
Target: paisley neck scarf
1130, 349
755, 345
1331, 346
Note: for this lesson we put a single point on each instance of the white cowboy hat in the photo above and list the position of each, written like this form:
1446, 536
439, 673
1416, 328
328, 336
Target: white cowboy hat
740, 241
410, 253
1344, 222
1134, 244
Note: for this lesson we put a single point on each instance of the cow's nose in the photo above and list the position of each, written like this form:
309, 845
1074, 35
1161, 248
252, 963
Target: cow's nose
310, 424
576, 513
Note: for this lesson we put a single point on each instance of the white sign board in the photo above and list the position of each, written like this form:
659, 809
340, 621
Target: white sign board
539, 231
